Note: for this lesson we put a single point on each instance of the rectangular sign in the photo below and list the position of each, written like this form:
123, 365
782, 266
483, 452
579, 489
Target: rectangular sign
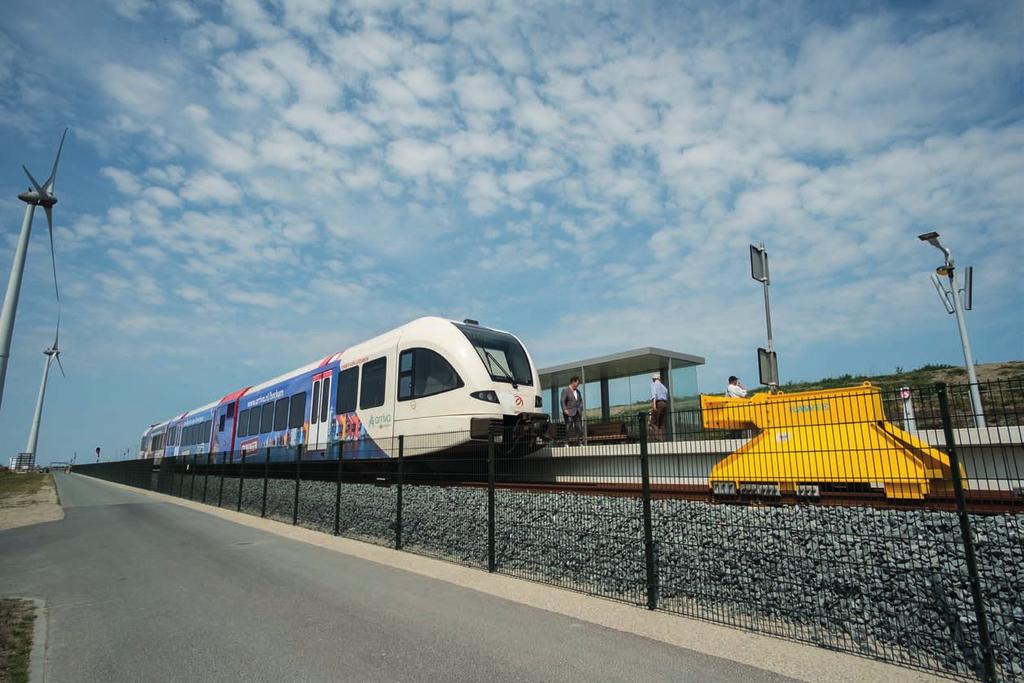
768, 367
759, 264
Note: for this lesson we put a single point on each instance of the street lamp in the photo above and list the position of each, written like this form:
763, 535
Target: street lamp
951, 300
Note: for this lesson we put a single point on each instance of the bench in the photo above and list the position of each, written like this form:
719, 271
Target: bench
597, 432
613, 432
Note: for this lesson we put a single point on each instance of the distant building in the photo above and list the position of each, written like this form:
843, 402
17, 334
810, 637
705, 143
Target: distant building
23, 462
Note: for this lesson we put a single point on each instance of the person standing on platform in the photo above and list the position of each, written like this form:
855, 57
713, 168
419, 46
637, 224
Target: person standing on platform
735, 389
659, 407
572, 411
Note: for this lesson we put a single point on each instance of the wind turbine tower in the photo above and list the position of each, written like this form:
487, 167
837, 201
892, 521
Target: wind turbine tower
52, 353
38, 195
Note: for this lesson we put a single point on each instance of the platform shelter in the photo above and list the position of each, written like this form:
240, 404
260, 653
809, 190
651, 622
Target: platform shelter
619, 385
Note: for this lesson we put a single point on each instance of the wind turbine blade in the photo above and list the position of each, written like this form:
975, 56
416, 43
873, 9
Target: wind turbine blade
53, 254
35, 184
52, 180
60, 365
56, 337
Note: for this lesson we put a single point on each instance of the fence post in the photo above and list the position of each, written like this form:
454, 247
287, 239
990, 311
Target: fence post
220, 489
266, 477
337, 491
645, 475
298, 466
968, 538
192, 484
398, 502
241, 480
183, 464
206, 480
492, 564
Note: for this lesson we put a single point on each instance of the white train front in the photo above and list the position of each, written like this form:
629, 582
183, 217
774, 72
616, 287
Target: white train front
439, 383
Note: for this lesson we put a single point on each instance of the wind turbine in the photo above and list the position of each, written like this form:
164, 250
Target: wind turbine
52, 353
41, 195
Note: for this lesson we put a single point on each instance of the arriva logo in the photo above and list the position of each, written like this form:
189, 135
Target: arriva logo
519, 401
813, 407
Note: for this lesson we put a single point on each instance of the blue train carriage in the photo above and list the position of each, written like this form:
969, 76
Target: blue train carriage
152, 445
286, 412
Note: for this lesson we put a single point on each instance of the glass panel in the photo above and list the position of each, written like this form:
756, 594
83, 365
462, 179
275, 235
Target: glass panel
297, 413
374, 374
591, 400
325, 399
242, 428
267, 417
348, 383
281, 414
314, 415
433, 374
501, 353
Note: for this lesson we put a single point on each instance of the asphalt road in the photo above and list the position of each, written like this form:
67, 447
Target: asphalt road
143, 590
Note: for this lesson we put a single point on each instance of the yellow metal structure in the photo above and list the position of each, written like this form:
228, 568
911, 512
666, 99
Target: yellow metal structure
814, 438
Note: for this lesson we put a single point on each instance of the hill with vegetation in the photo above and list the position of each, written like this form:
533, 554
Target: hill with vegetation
923, 376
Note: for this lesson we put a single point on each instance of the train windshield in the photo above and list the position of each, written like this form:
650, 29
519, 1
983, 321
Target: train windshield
501, 353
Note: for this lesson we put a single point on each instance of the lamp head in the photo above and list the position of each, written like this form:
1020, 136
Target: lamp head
932, 238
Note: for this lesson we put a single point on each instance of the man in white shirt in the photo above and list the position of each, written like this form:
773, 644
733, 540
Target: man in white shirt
735, 389
659, 406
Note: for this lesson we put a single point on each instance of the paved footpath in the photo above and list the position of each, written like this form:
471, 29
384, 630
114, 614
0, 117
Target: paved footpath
139, 586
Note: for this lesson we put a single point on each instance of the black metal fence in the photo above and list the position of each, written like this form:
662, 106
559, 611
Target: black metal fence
848, 520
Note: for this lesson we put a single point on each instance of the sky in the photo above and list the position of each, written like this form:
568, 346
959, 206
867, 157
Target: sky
251, 185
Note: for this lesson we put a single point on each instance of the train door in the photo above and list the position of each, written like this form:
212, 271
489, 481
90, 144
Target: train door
320, 412
224, 428
376, 407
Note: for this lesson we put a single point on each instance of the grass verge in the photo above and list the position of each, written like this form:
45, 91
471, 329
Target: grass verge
12, 484
17, 620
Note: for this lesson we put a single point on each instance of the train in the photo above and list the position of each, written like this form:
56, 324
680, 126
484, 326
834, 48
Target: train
429, 377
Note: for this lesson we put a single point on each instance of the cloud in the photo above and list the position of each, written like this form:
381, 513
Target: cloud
418, 158
211, 187
482, 91
125, 182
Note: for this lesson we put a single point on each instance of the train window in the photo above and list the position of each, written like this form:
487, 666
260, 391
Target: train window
242, 428
267, 417
281, 414
254, 421
297, 415
231, 410
220, 426
374, 375
314, 412
325, 399
425, 373
348, 384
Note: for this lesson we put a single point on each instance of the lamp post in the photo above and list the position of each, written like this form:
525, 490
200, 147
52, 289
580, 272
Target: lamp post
767, 361
948, 270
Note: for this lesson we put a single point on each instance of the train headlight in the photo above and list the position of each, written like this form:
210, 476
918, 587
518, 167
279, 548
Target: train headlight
538, 402
489, 396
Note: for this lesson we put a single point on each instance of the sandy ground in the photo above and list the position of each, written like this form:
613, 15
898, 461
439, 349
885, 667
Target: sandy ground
33, 508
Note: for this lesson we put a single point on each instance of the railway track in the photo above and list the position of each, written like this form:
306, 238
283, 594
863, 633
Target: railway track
978, 502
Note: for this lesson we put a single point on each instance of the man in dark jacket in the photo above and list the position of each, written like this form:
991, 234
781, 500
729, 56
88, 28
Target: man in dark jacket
572, 411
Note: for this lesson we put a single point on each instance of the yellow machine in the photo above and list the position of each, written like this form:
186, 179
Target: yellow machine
833, 439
